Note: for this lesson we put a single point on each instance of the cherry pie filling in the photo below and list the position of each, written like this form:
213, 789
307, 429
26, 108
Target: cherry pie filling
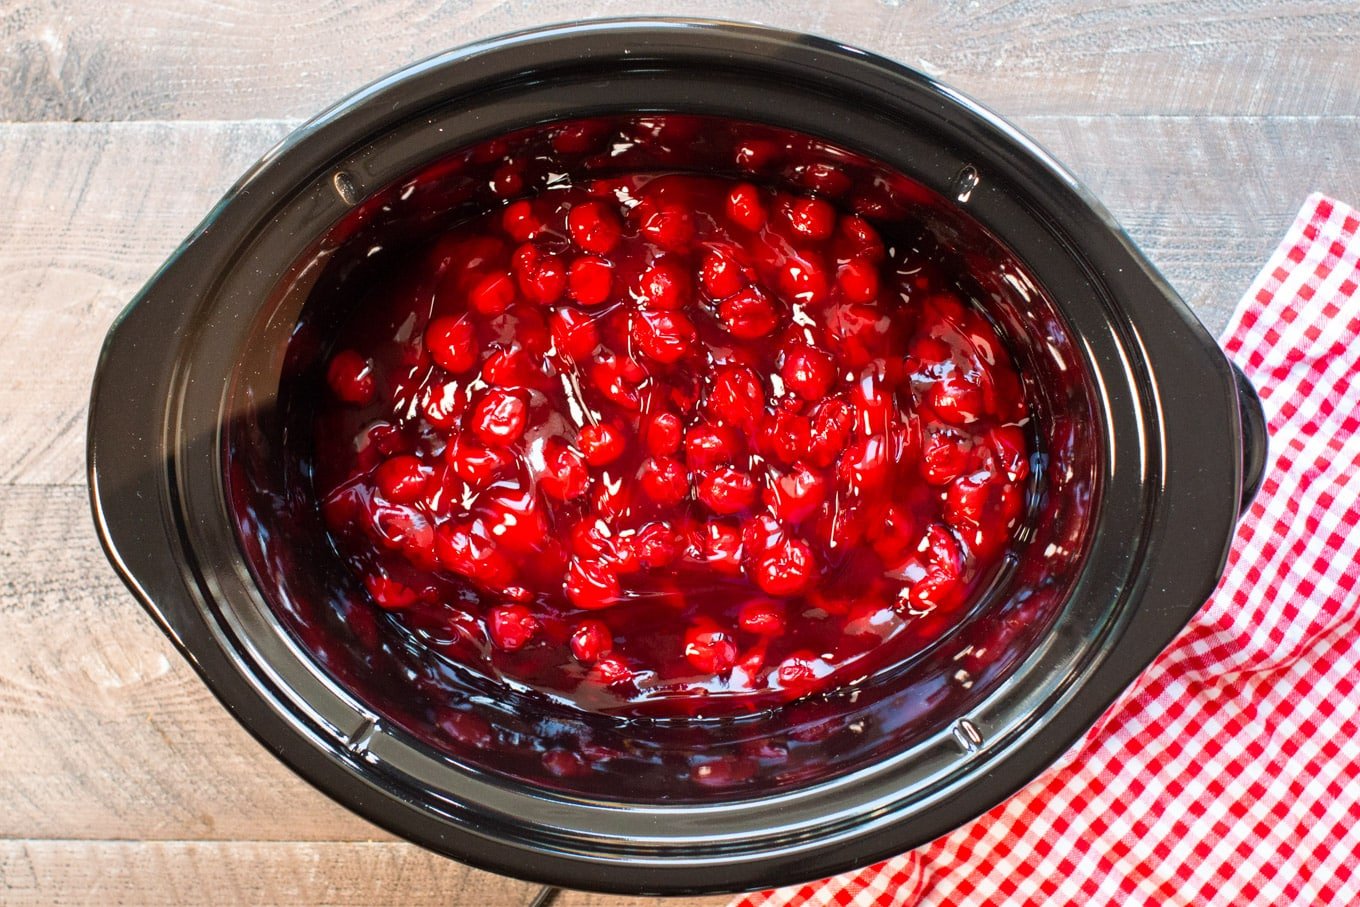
671, 444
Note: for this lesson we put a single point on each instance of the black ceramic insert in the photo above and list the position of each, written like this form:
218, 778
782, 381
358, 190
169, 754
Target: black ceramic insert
1154, 444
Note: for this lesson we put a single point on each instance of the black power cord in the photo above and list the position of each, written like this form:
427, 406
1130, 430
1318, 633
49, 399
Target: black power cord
546, 895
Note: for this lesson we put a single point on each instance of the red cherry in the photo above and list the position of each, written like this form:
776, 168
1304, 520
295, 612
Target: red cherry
710, 649
866, 465
860, 239
893, 532
611, 500
736, 397
875, 404
529, 328
594, 227
669, 226
601, 444
808, 372
663, 336
578, 137
662, 433
748, 314
574, 333
611, 670
708, 445
858, 279
564, 474
968, 500
350, 377
785, 437
1008, 444
510, 368
492, 294
832, 422
520, 221
756, 154
401, 479
726, 491
590, 280
591, 538
956, 400
762, 617
801, 673
802, 281
785, 568
796, 495
943, 550
812, 217
511, 627
507, 181
721, 274
655, 545
664, 480
545, 281
590, 641
466, 548
475, 464
441, 404
665, 285
513, 516
857, 332
388, 593
944, 457
524, 258
744, 207
499, 417
612, 376
403, 528
591, 585
935, 590
825, 178
723, 547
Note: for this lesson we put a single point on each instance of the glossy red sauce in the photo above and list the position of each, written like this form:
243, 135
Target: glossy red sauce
671, 444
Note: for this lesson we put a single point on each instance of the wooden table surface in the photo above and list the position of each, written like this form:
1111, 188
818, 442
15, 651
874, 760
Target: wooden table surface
1202, 125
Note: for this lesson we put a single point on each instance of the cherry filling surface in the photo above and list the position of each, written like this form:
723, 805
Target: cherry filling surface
660, 458
670, 444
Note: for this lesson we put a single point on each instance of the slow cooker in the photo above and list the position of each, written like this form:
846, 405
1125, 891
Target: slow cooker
1149, 446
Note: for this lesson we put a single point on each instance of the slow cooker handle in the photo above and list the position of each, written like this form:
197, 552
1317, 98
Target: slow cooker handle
1254, 439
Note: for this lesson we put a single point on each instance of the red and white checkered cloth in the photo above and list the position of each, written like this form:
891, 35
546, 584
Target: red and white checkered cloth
1229, 773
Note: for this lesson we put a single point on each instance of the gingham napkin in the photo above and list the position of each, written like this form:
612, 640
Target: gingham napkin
1229, 773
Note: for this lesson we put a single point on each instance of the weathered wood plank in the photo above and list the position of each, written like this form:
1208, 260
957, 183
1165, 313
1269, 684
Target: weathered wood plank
89, 214
147, 874
183, 873
209, 59
101, 205
105, 731
125, 782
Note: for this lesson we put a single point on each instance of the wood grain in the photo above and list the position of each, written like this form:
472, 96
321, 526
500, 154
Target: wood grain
97, 210
125, 782
102, 205
105, 731
243, 872
214, 59
183, 873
